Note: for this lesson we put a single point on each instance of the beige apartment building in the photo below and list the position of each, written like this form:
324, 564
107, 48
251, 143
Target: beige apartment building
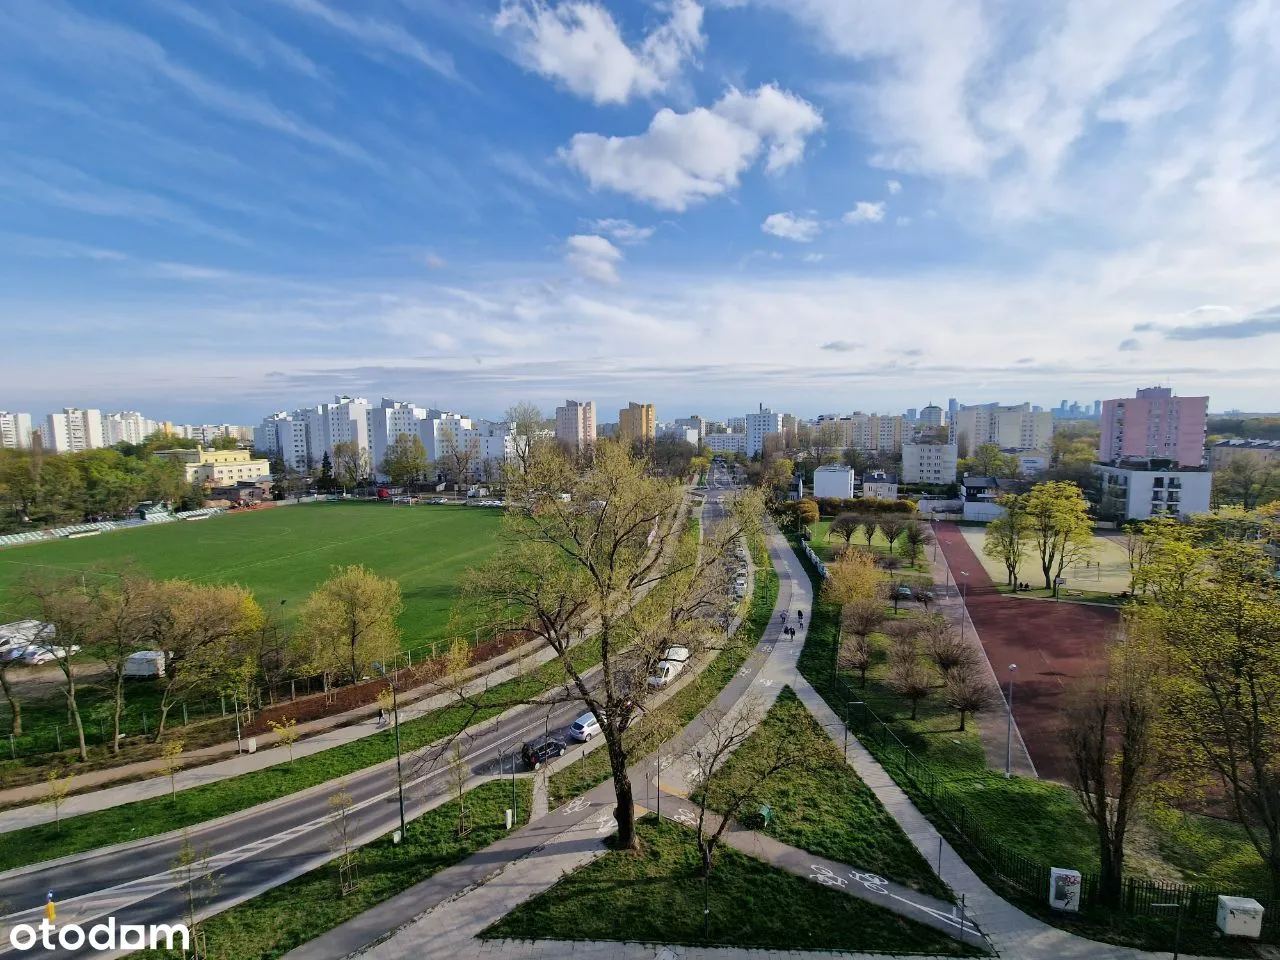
219, 467
869, 432
576, 424
1015, 427
637, 422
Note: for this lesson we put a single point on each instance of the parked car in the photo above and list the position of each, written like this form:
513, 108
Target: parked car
584, 728
33, 655
676, 654
903, 592
665, 672
537, 752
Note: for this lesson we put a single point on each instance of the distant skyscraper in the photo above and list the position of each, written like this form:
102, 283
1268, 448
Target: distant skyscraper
1097, 408
931, 416
1155, 423
72, 430
637, 422
911, 414
953, 406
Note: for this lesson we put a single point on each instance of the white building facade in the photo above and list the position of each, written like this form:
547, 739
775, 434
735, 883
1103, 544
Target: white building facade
929, 462
1138, 494
128, 426
576, 424
725, 442
72, 430
833, 480
15, 430
758, 426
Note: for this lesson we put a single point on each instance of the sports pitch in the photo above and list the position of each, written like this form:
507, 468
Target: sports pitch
283, 553
1108, 571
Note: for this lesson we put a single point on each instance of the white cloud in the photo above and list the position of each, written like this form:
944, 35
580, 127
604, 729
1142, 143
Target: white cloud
593, 257
865, 211
624, 231
894, 187
578, 43
684, 158
902, 221
814, 257
790, 227
433, 260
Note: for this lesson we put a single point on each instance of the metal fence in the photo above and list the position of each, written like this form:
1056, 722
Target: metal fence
137, 721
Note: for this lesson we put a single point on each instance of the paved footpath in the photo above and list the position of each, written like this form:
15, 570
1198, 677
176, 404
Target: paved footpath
449, 928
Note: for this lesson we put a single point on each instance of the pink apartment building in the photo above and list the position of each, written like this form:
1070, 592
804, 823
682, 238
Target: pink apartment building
1155, 423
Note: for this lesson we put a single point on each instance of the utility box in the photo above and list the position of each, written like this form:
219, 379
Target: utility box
1240, 917
251, 745
1064, 889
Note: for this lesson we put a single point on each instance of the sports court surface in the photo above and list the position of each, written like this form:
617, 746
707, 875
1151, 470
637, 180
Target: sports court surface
1107, 571
1051, 643
283, 553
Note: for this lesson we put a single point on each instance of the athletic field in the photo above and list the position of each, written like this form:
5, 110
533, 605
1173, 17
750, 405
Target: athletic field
1107, 572
282, 553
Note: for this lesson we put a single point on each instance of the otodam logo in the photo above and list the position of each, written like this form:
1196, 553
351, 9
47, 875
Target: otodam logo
106, 935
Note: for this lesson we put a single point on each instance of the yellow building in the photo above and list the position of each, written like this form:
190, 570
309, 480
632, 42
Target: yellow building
637, 422
218, 467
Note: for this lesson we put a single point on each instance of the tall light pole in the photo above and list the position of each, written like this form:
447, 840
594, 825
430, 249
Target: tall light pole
1008, 742
395, 719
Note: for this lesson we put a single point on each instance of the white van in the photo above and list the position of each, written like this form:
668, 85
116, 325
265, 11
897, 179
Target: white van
145, 665
665, 672
676, 654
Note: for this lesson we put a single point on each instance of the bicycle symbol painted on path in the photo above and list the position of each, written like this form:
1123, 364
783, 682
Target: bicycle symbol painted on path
824, 876
685, 816
577, 806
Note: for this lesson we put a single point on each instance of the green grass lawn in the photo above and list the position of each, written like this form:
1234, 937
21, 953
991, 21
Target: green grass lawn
283, 553
822, 545
656, 896
145, 818
285, 917
828, 810
690, 700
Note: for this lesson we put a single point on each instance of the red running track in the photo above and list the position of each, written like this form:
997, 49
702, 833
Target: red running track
1050, 642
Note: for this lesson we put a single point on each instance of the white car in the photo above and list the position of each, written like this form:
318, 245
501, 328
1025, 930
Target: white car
665, 672
676, 654
33, 656
584, 728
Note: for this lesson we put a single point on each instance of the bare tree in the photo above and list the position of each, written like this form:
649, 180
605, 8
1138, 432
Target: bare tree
892, 527
731, 789
1111, 722
596, 550
855, 654
943, 646
915, 537
860, 620
56, 795
193, 869
342, 840
908, 674
965, 691
525, 418
845, 525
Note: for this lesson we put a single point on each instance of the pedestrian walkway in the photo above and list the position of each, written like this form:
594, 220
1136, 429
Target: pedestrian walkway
993, 726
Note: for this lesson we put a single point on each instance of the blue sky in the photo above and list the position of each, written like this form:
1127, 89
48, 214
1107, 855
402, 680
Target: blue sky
210, 211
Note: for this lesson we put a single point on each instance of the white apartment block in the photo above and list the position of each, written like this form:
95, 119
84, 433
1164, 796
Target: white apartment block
1138, 494
72, 430
388, 421
286, 437
576, 424
833, 480
929, 462
128, 426
1015, 427
725, 442
15, 430
691, 423
758, 426
440, 431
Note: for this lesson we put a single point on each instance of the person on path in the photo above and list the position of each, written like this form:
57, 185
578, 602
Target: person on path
382, 717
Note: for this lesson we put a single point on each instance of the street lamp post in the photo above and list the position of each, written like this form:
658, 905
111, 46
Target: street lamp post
1008, 743
395, 719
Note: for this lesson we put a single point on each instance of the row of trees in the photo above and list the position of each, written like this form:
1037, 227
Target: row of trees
904, 533
48, 489
218, 639
1189, 705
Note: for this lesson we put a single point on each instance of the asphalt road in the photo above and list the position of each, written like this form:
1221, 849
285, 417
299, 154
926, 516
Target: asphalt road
260, 848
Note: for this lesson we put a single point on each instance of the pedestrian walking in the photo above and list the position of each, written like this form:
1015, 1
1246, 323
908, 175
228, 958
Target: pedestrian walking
382, 717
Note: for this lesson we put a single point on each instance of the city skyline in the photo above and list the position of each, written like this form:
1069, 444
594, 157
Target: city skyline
451, 201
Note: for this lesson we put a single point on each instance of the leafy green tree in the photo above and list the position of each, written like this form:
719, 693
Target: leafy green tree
349, 622
225, 443
405, 461
1248, 481
1058, 527
1008, 535
988, 461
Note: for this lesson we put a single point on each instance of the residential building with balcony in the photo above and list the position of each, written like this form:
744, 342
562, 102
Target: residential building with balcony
15, 430
1224, 451
929, 462
576, 424
637, 422
1133, 490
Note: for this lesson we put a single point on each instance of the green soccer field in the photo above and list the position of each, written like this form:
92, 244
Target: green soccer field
283, 553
